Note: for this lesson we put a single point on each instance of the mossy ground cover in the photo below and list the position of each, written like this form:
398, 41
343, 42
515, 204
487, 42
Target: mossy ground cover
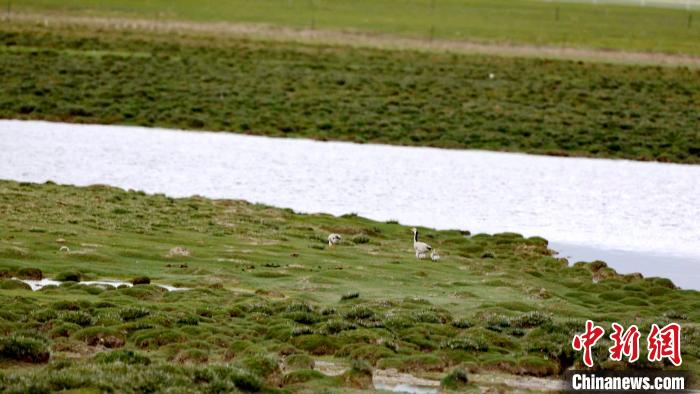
209, 82
511, 21
268, 297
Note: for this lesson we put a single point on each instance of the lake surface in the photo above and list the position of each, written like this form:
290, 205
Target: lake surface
618, 210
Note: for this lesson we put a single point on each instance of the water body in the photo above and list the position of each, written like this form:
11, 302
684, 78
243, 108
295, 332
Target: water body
113, 283
590, 208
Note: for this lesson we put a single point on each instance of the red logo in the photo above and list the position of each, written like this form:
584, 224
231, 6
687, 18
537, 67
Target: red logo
587, 340
665, 343
661, 343
626, 344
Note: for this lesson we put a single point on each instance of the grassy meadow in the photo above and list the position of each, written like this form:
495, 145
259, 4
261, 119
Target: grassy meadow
601, 26
268, 298
210, 82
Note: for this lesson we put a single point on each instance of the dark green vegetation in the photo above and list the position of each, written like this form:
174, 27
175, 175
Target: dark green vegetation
510, 21
265, 298
340, 93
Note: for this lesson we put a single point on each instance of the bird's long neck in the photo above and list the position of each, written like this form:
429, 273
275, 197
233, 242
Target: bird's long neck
415, 236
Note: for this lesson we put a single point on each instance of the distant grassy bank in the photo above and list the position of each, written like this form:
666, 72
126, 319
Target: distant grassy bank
205, 81
584, 24
268, 297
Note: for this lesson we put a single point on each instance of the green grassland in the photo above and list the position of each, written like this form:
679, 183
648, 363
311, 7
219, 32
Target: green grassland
202, 81
503, 21
268, 297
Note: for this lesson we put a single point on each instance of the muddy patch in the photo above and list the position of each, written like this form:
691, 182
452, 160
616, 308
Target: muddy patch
398, 382
385, 379
395, 381
517, 382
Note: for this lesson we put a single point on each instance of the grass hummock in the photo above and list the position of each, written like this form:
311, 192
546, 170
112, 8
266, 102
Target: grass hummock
263, 305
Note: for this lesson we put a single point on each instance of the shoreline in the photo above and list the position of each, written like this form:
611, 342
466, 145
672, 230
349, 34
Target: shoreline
629, 261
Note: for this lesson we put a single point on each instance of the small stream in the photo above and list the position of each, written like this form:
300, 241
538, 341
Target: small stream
587, 207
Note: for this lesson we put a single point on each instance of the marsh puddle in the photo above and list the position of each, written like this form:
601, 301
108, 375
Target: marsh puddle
108, 283
514, 382
406, 388
643, 207
392, 380
385, 379
398, 382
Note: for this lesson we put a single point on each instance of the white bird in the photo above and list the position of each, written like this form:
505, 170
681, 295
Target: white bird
434, 255
334, 239
421, 248
64, 248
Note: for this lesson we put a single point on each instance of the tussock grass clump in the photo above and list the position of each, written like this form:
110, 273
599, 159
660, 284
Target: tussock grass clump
301, 330
350, 296
68, 276
76, 317
413, 363
133, 313
44, 315
675, 315
303, 317
432, 315
328, 311
63, 329
462, 323
369, 353
11, 284
299, 361
302, 376
360, 239
156, 337
662, 282
189, 320
246, 381
22, 349
191, 356
537, 366
260, 364
466, 343
122, 356
359, 375
457, 379
497, 322
335, 326
399, 321
103, 336
530, 320
30, 273
257, 308
317, 344
141, 280
359, 313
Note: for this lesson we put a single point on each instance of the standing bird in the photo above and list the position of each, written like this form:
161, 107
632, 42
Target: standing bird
334, 239
421, 248
434, 255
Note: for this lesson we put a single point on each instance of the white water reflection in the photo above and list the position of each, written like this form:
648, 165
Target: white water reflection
406, 388
604, 204
38, 284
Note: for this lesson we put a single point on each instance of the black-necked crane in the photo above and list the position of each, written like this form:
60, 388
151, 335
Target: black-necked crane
421, 248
